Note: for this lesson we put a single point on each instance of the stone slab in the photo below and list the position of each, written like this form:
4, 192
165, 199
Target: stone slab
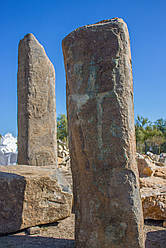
30, 196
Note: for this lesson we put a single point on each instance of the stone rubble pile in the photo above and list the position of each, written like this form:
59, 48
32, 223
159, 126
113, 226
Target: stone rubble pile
152, 172
64, 165
152, 185
158, 159
63, 155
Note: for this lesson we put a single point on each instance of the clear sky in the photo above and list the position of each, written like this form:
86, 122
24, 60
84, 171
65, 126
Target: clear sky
51, 20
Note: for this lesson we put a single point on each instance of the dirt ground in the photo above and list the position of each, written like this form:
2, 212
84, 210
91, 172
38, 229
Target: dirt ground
61, 235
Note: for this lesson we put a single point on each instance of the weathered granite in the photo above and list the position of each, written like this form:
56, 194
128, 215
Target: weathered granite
153, 195
102, 136
146, 166
30, 196
37, 144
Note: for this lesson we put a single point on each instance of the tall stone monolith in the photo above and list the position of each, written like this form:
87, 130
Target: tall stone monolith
37, 144
102, 137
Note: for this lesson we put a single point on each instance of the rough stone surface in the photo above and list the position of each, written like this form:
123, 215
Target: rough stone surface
33, 230
163, 159
146, 166
153, 195
30, 196
102, 138
36, 105
153, 157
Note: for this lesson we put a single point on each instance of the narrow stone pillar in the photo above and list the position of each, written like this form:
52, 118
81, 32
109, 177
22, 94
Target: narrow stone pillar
37, 144
102, 136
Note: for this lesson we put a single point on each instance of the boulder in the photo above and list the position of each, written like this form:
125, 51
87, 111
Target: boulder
63, 151
153, 156
153, 195
30, 196
159, 160
162, 158
145, 165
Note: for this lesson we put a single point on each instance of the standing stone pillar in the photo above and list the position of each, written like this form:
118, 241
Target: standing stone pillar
37, 144
102, 137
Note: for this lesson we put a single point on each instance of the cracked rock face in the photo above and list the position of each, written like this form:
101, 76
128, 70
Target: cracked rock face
37, 144
30, 196
102, 137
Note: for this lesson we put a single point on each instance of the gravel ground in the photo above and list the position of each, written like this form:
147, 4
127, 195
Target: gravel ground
61, 235
56, 235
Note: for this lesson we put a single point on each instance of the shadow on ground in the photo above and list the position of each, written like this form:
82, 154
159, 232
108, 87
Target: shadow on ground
18, 241
156, 239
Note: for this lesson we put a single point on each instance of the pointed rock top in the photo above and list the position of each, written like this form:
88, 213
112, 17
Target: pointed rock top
30, 37
30, 42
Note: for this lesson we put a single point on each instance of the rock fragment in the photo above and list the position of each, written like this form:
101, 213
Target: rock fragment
153, 195
146, 166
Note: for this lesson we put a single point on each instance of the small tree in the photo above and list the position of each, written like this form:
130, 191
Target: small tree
161, 125
62, 132
150, 136
141, 133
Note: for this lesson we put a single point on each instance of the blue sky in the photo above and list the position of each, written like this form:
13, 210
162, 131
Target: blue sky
50, 21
